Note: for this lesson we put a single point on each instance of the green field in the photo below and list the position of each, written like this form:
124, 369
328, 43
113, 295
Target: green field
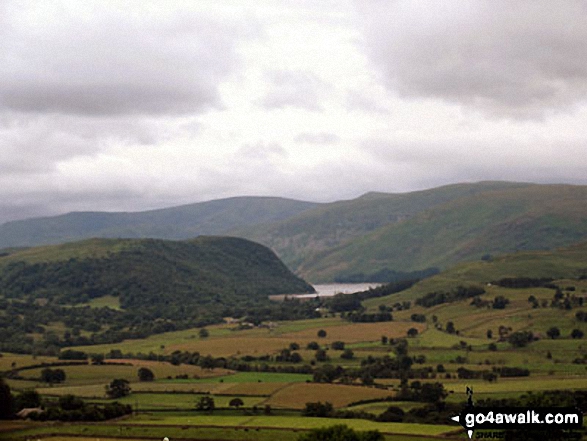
166, 406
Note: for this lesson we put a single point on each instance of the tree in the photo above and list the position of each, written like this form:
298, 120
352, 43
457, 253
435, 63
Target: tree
489, 333
412, 332
71, 402
321, 355
27, 399
313, 345
321, 333
294, 346
340, 433
318, 409
384, 340
450, 328
296, 358
553, 332
118, 388
519, 339
432, 392
6, 401
500, 302
337, 345
53, 375
97, 358
205, 403
577, 333
145, 374
203, 333
347, 354
236, 402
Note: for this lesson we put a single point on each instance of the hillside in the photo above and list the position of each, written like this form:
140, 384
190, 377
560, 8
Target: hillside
537, 217
206, 271
183, 222
373, 237
297, 239
562, 263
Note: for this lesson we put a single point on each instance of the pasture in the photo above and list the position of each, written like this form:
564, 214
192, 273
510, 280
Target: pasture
166, 406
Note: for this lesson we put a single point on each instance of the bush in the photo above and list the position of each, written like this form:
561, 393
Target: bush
145, 374
340, 433
118, 388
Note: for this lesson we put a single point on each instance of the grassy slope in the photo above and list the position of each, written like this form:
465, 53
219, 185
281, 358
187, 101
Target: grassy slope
500, 221
144, 270
325, 227
183, 222
570, 262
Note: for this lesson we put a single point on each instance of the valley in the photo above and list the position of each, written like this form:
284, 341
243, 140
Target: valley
150, 338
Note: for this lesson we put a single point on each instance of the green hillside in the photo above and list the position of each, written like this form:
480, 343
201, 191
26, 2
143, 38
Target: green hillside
563, 263
106, 290
492, 222
183, 222
202, 271
297, 239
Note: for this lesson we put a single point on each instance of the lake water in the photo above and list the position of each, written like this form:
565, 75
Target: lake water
331, 289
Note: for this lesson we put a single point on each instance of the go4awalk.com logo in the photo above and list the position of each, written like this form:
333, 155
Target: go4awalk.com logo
508, 418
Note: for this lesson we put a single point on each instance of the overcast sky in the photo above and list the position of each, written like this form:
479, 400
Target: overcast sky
132, 105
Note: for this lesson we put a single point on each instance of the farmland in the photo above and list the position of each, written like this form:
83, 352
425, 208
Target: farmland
259, 391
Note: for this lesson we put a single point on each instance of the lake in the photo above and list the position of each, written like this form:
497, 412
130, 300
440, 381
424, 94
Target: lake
330, 289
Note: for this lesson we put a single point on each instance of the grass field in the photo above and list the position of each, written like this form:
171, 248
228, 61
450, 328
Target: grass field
166, 405
295, 396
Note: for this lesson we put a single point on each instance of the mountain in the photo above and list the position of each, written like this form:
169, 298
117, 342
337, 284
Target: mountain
206, 272
300, 239
372, 237
535, 217
183, 222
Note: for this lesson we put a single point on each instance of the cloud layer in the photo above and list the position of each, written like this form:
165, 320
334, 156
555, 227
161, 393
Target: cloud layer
127, 106
522, 59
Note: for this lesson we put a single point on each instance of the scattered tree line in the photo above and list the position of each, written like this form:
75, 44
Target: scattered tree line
439, 297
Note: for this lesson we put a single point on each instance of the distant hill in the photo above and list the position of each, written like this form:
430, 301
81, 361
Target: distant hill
301, 239
373, 237
203, 273
536, 217
561, 263
183, 222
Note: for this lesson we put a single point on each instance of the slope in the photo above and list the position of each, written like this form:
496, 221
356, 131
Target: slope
328, 226
492, 222
183, 222
561, 263
207, 272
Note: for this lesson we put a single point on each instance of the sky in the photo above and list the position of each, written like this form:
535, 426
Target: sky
135, 105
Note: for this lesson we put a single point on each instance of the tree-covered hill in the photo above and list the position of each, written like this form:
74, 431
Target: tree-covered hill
160, 285
183, 222
208, 272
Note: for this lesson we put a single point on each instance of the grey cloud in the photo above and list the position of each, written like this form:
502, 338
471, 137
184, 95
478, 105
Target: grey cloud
261, 152
293, 89
358, 101
317, 138
425, 164
111, 60
523, 59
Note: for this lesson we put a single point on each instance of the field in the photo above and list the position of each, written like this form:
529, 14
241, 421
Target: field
272, 401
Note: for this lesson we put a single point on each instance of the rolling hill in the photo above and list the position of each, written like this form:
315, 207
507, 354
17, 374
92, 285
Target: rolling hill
301, 239
360, 239
561, 263
202, 273
183, 222
537, 217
